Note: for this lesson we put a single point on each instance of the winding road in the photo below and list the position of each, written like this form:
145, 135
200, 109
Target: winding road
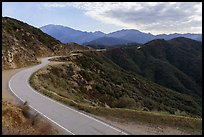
69, 119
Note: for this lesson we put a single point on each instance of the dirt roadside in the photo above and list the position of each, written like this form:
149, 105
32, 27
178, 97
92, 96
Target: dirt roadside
7, 95
134, 128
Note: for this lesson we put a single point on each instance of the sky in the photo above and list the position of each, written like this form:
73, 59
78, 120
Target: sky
149, 17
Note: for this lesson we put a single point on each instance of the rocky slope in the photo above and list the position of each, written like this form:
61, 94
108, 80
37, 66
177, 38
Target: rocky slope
22, 44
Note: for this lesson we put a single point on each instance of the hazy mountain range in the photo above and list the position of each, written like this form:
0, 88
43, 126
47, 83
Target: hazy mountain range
66, 34
124, 36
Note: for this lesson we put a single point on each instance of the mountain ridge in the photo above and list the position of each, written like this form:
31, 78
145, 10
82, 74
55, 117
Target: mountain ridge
67, 34
84, 37
165, 62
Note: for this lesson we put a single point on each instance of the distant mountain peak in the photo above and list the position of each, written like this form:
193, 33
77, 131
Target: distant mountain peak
98, 32
67, 34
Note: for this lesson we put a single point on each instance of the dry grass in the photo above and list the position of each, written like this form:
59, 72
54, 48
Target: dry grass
150, 118
17, 120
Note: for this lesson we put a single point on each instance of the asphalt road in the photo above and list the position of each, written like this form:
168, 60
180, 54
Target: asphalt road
69, 119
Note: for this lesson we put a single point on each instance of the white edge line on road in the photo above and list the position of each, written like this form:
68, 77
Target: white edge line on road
65, 107
39, 111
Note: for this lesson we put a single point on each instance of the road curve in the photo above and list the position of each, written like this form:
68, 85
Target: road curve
71, 120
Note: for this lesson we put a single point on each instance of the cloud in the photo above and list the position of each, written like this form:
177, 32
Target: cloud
154, 17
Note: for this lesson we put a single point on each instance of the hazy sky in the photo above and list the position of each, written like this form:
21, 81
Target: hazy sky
150, 17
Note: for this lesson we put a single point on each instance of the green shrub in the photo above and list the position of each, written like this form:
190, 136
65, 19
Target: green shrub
125, 102
86, 75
